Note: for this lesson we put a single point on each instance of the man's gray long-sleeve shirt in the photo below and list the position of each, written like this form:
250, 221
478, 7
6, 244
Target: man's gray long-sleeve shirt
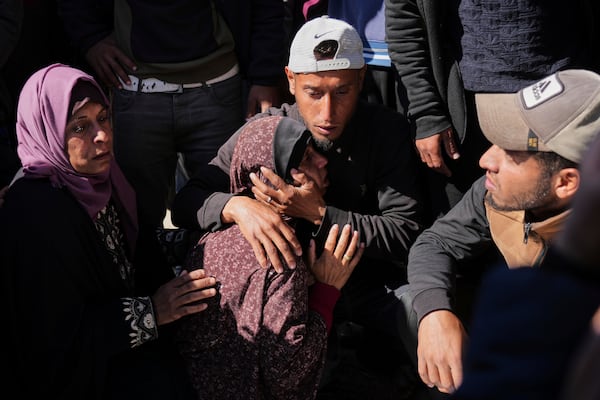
462, 234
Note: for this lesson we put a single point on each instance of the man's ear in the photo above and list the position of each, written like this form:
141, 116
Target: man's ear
291, 81
567, 183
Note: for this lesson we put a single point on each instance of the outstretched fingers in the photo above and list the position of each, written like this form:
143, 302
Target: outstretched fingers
343, 250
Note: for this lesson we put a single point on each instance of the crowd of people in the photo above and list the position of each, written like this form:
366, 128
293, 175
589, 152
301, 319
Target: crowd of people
411, 179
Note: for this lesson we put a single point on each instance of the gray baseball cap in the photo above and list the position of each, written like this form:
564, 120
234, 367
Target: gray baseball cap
560, 113
349, 54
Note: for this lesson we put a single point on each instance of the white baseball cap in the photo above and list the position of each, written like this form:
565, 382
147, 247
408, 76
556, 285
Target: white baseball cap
349, 53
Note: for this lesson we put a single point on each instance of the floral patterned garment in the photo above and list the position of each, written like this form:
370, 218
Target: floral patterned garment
257, 339
137, 311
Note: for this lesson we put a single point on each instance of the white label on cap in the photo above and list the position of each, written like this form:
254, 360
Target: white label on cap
541, 91
328, 65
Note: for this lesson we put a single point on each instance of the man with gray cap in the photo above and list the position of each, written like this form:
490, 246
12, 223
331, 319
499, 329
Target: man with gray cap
538, 137
371, 168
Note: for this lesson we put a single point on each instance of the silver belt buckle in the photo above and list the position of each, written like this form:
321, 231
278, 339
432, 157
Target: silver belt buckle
153, 85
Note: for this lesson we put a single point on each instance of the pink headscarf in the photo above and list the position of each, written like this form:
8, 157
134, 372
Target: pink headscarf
42, 115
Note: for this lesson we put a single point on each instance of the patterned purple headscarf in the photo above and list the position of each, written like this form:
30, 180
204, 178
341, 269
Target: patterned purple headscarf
259, 324
260, 145
42, 115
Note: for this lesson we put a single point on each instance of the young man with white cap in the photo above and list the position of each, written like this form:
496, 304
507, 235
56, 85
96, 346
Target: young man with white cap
538, 137
371, 168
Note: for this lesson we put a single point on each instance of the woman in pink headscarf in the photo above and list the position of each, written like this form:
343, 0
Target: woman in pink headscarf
86, 293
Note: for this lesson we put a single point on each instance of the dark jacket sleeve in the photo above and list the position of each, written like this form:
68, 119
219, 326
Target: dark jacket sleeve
86, 22
461, 234
410, 47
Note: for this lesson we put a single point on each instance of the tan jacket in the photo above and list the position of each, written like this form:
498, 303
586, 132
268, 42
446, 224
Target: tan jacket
522, 243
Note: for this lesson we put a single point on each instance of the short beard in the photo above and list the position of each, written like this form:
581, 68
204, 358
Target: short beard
322, 145
539, 198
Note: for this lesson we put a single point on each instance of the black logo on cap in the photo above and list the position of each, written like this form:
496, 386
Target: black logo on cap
538, 89
326, 50
320, 35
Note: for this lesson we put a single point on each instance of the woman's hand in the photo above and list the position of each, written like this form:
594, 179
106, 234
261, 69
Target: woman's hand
339, 257
182, 296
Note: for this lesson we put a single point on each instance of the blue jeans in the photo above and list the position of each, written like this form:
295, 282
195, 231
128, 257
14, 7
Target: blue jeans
151, 129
